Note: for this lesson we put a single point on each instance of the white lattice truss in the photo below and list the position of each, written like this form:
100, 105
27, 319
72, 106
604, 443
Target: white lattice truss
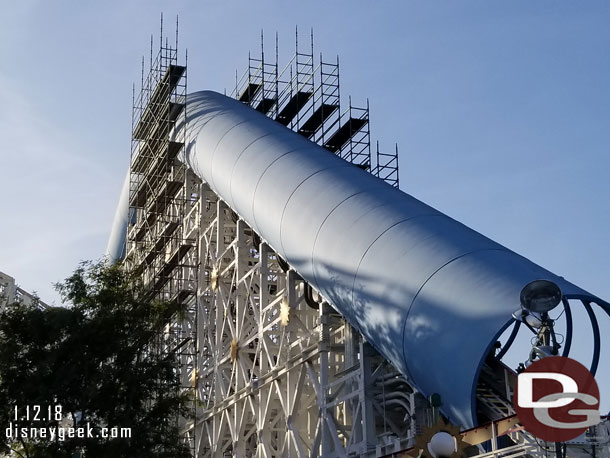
277, 376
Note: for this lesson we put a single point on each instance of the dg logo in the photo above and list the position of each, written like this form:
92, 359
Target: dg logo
557, 399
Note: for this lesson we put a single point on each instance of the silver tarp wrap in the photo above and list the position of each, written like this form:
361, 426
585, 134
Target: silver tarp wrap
427, 292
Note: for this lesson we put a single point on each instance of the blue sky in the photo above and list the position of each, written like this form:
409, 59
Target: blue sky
501, 111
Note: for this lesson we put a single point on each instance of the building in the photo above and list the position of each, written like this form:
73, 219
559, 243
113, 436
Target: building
10, 292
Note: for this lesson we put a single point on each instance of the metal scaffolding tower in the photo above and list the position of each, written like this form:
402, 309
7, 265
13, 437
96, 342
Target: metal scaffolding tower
305, 97
163, 196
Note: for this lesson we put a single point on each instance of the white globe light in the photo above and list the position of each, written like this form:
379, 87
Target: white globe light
442, 444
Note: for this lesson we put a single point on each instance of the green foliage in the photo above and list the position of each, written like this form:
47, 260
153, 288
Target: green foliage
96, 358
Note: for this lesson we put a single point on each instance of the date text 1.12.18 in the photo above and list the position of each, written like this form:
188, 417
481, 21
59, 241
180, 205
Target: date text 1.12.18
38, 413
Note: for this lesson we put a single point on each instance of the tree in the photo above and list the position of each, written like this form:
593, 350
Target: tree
94, 363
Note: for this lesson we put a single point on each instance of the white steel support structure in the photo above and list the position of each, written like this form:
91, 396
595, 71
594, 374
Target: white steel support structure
279, 376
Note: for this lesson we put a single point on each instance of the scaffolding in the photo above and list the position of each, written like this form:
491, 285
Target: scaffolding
305, 97
163, 193
258, 87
